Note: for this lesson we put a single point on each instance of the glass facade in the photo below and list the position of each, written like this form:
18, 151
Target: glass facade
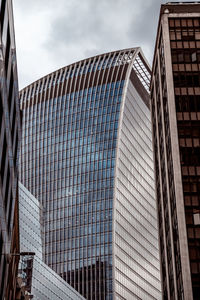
136, 236
46, 284
176, 124
9, 150
69, 160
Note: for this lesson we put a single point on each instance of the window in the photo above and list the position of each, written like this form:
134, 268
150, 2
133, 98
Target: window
196, 217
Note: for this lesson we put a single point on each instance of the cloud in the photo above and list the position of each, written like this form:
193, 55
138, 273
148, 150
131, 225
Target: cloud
51, 34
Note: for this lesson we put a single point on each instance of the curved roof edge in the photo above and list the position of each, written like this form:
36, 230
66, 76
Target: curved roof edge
137, 50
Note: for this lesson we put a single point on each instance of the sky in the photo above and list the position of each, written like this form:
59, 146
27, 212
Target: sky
51, 34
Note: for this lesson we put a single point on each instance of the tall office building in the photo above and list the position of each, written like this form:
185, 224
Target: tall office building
87, 157
9, 136
175, 102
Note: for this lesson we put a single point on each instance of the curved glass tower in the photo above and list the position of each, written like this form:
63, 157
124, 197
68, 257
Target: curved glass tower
87, 157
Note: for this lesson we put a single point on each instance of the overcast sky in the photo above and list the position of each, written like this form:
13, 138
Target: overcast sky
51, 34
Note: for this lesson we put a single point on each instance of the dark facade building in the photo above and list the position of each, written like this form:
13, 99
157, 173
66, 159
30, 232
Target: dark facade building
9, 141
175, 105
87, 157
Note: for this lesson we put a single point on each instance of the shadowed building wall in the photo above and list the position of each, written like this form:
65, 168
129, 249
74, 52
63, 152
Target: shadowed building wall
9, 141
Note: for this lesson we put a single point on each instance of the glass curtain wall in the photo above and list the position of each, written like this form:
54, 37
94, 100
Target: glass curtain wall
71, 131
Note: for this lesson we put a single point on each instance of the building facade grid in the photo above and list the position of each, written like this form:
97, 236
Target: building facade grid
71, 130
175, 118
9, 149
44, 282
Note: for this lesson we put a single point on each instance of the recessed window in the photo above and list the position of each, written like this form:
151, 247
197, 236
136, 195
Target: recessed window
194, 56
196, 218
197, 35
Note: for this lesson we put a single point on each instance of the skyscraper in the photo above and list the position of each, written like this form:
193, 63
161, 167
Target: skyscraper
9, 137
175, 102
87, 157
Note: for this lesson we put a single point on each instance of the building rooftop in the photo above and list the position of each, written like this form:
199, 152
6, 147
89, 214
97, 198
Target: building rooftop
181, 7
